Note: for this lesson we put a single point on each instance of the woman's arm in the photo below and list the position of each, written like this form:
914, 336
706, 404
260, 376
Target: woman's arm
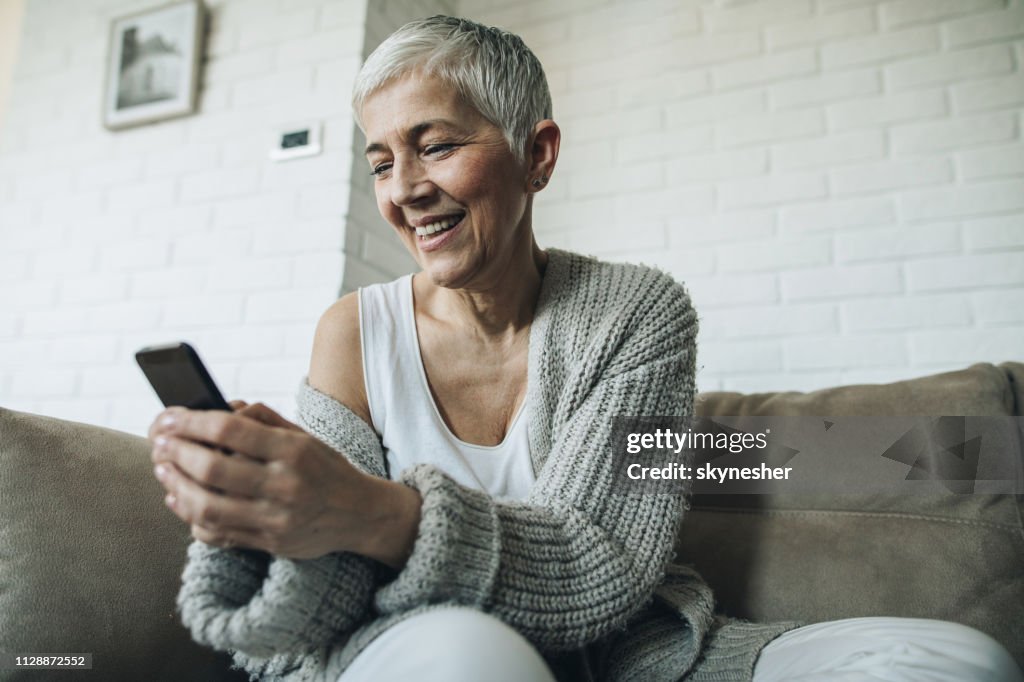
336, 363
336, 371
265, 605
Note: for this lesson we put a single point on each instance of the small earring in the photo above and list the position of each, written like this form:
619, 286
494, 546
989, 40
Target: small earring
537, 182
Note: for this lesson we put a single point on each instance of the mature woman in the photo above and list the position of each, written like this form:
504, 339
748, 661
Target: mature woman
467, 530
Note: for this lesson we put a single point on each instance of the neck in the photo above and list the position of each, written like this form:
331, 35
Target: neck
503, 306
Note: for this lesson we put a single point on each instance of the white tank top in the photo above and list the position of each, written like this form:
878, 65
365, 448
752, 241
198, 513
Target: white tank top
404, 413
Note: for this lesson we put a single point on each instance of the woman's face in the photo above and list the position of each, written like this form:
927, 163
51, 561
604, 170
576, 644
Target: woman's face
437, 164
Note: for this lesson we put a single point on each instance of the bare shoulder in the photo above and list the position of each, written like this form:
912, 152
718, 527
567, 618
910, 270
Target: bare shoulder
336, 364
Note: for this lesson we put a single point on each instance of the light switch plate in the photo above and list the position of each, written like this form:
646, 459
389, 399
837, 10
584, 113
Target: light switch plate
296, 141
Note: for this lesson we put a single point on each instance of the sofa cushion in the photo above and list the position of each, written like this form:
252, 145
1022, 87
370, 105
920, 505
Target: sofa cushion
90, 559
823, 557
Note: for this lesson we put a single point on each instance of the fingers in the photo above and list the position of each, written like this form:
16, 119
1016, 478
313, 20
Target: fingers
262, 413
233, 431
238, 475
245, 500
170, 419
196, 505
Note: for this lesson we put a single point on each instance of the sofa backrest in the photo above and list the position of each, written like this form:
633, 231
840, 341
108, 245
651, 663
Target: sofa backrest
823, 557
980, 390
90, 558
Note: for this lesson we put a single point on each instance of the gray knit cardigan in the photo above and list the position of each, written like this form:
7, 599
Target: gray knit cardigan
575, 567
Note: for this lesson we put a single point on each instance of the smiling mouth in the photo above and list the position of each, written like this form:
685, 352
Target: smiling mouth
439, 226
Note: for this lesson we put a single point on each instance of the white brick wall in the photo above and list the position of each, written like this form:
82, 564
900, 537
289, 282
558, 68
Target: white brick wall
840, 182
183, 229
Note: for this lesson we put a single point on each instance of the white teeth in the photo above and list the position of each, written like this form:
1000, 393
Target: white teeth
439, 226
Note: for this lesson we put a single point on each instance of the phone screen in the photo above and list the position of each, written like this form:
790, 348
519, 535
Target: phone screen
179, 377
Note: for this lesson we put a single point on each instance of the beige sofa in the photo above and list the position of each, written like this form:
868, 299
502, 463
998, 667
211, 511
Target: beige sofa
90, 559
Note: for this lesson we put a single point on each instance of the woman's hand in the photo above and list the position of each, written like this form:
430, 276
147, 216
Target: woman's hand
282, 490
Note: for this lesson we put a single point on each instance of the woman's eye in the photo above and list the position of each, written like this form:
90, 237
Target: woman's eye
380, 169
436, 149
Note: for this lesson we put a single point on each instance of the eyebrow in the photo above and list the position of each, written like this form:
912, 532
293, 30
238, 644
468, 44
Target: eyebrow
413, 133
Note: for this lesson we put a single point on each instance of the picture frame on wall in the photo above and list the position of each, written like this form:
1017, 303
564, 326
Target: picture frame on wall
153, 65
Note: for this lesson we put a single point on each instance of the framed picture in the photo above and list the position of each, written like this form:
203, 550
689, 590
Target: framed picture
153, 67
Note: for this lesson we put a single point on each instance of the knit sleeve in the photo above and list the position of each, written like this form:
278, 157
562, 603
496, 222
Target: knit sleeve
266, 609
577, 559
340, 428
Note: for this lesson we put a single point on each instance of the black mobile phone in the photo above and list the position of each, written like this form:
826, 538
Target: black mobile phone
179, 377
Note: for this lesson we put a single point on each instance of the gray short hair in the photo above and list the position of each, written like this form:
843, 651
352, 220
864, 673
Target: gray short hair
493, 70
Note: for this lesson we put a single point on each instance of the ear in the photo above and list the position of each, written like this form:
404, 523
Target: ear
542, 155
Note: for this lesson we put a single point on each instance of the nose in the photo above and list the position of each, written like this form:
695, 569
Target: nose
409, 183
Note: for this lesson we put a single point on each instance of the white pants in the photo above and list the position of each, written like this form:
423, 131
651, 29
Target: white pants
449, 645
464, 645
885, 650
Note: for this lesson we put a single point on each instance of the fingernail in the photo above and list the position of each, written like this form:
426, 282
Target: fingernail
160, 471
170, 500
168, 420
161, 441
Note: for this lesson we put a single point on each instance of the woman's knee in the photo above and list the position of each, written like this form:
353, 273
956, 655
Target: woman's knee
976, 648
451, 644
904, 648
